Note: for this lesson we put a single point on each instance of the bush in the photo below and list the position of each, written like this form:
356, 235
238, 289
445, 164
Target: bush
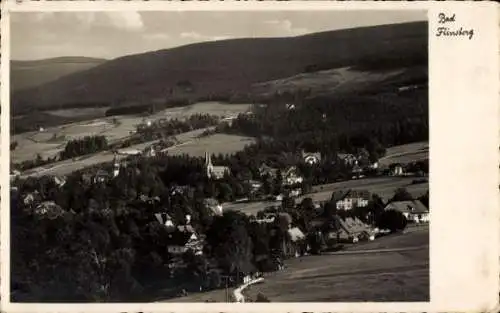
261, 298
392, 220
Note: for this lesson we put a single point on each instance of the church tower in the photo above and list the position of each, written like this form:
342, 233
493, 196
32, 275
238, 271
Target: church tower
116, 167
208, 164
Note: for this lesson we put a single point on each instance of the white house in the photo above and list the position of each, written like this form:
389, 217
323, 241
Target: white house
351, 199
311, 158
396, 169
129, 152
213, 205
183, 238
414, 210
291, 177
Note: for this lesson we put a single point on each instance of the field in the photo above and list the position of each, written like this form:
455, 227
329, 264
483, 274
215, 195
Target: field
363, 272
218, 143
211, 107
338, 80
52, 140
98, 112
406, 153
367, 275
383, 186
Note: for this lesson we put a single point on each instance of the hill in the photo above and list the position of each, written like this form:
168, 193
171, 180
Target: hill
229, 67
28, 74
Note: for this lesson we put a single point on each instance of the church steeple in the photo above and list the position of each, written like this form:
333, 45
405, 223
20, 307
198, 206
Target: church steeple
116, 166
208, 164
208, 159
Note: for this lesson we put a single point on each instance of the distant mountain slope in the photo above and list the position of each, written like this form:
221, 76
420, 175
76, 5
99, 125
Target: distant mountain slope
27, 74
231, 66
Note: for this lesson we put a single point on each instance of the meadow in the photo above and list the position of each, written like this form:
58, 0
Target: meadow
53, 139
370, 275
367, 274
404, 154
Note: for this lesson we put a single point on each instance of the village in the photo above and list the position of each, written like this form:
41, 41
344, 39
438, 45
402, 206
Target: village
345, 217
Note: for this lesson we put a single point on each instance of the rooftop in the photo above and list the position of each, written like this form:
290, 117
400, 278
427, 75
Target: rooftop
412, 206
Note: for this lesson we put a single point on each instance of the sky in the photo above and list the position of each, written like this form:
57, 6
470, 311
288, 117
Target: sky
113, 34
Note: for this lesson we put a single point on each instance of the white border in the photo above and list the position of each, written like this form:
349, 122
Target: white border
464, 100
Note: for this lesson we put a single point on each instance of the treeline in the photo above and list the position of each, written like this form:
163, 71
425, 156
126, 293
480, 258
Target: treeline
83, 146
128, 110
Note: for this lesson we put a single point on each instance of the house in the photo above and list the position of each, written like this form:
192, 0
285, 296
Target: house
59, 181
101, 177
396, 169
31, 197
254, 184
311, 158
357, 171
265, 170
183, 238
149, 200
179, 242
165, 219
414, 210
296, 244
215, 172
49, 209
351, 230
150, 151
348, 158
351, 199
291, 177
268, 219
14, 174
295, 192
181, 190
129, 152
213, 205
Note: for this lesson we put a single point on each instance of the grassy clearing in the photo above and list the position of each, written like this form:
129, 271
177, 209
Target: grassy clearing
218, 143
334, 80
398, 276
211, 107
406, 153
100, 111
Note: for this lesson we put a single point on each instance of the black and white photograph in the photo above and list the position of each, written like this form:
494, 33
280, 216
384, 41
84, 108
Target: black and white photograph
218, 156
234, 156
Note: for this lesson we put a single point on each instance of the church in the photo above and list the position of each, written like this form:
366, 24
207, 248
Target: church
215, 172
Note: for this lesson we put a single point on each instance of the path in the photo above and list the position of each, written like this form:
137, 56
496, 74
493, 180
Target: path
237, 293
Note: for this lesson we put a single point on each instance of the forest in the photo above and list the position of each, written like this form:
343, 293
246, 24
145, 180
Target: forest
102, 243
